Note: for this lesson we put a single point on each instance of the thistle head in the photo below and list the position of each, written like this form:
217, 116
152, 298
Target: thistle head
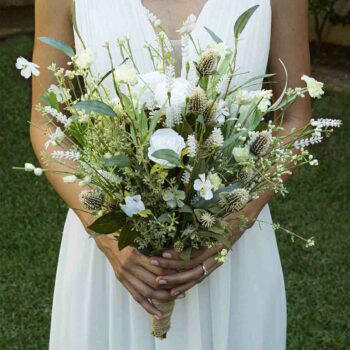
244, 175
261, 143
207, 220
92, 199
197, 103
207, 63
236, 200
210, 111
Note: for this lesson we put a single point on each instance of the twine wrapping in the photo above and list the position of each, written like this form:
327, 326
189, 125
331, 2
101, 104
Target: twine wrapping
161, 327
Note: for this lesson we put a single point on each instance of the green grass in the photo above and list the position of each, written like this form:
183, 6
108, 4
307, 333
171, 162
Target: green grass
32, 217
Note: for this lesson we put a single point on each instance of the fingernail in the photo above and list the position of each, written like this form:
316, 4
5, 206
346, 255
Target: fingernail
162, 282
175, 293
154, 262
182, 295
166, 255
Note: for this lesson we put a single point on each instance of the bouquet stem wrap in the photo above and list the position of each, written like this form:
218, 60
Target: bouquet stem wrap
161, 327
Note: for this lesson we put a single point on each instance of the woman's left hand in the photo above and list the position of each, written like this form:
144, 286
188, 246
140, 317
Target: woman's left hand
203, 259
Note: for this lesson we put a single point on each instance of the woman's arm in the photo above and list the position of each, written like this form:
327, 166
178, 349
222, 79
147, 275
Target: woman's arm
53, 19
290, 43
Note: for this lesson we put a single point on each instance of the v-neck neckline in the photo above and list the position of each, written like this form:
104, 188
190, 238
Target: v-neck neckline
198, 17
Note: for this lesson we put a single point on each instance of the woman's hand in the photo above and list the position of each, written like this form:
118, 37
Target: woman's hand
192, 272
136, 273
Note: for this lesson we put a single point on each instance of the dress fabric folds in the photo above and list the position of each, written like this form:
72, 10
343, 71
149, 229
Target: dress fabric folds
241, 306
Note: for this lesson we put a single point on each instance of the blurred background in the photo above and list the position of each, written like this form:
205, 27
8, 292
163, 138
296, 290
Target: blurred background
32, 215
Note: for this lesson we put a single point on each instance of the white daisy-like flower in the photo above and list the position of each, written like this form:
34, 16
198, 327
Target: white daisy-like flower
133, 205
192, 145
27, 68
204, 187
55, 138
189, 25
314, 87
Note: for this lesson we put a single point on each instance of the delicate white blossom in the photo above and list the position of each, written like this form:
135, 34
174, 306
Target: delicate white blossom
215, 180
55, 138
38, 171
221, 86
222, 112
69, 155
241, 154
192, 145
84, 59
216, 139
204, 187
125, 74
307, 142
314, 87
27, 68
29, 167
85, 181
62, 94
326, 123
69, 179
133, 205
60, 117
189, 25
186, 176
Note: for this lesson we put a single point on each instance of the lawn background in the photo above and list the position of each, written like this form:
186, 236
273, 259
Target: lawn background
32, 216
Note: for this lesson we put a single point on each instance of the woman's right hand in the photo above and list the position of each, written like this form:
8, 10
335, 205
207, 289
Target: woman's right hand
135, 271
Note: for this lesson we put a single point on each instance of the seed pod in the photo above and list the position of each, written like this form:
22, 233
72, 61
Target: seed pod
210, 112
197, 103
92, 199
261, 144
235, 200
244, 175
207, 63
178, 246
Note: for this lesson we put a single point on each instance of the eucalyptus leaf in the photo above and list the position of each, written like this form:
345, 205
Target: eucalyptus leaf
59, 45
243, 19
108, 223
168, 155
95, 106
119, 161
213, 35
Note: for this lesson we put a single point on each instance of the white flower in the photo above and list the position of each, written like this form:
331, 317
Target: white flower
204, 187
69, 179
62, 94
192, 145
326, 123
179, 93
85, 181
165, 139
189, 25
187, 175
38, 171
55, 138
314, 87
29, 167
125, 74
222, 112
215, 180
146, 86
70, 155
222, 256
244, 97
60, 117
27, 68
216, 139
263, 99
84, 59
241, 154
307, 142
219, 48
133, 205
221, 86
313, 162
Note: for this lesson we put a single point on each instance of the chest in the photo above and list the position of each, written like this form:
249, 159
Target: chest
172, 13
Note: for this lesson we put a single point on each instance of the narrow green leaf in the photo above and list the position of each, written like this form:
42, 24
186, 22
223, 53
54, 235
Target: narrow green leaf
95, 106
186, 209
75, 25
243, 19
168, 155
213, 35
119, 161
59, 45
108, 223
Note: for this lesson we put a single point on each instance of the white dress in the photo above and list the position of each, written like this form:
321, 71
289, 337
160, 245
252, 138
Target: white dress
241, 306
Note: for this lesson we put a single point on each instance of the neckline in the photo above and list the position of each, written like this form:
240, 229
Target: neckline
198, 17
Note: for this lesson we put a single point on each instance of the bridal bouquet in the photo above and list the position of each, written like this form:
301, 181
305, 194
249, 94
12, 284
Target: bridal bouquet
163, 160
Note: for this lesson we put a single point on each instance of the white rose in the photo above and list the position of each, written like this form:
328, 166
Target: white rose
84, 59
314, 87
165, 139
179, 93
241, 154
125, 74
133, 205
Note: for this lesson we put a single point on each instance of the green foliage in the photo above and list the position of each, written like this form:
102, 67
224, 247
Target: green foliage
32, 217
59, 45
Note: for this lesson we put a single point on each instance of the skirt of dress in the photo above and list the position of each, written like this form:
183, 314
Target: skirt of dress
241, 306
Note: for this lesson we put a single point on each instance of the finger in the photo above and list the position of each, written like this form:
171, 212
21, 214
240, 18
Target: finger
181, 277
144, 302
149, 292
149, 278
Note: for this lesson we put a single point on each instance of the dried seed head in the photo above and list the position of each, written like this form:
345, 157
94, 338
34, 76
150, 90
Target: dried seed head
92, 199
244, 175
178, 246
235, 200
198, 101
261, 143
207, 220
207, 63
210, 112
